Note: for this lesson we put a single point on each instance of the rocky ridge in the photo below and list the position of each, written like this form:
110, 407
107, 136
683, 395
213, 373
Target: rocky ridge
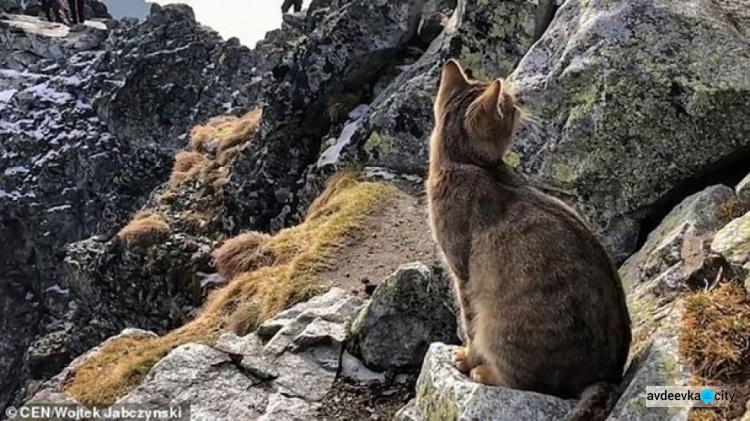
611, 86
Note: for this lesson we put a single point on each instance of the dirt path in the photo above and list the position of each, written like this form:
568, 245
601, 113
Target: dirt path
398, 233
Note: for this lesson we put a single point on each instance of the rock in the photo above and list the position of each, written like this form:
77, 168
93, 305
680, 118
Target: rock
354, 371
702, 214
26, 40
204, 379
733, 241
284, 408
743, 190
309, 346
10, 6
303, 345
624, 122
656, 363
443, 393
347, 49
677, 257
407, 312
430, 27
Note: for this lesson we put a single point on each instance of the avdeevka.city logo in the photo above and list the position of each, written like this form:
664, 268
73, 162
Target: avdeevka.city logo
688, 397
707, 396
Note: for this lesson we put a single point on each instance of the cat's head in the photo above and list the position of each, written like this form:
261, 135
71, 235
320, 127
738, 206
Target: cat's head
477, 119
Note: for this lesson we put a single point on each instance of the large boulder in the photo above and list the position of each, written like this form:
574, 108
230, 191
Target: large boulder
627, 110
700, 215
677, 259
733, 242
444, 393
657, 363
408, 311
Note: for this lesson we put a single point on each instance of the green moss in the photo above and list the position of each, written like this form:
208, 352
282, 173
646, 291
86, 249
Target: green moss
564, 173
584, 103
379, 143
671, 367
512, 159
434, 406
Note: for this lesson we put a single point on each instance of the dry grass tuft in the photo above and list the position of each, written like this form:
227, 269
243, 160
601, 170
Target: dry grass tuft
187, 163
248, 299
715, 332
227, 133
243, 253
145, 228
730, 210
246, 319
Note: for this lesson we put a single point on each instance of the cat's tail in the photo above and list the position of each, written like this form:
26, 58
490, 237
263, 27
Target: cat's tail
596, 403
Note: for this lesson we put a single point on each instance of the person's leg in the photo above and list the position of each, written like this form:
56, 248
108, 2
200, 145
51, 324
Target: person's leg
286, 5
297, 6
80, 8
47, 8
63, 12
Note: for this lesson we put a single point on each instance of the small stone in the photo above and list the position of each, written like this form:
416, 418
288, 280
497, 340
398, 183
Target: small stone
370, 289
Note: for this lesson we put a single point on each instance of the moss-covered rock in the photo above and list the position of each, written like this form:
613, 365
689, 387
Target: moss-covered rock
733, 241
657, 363
444, 394
633, 98
702, 213
408, 311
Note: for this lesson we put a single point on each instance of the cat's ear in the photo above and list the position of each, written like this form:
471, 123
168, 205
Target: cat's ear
452, 80
453, 77
489, 105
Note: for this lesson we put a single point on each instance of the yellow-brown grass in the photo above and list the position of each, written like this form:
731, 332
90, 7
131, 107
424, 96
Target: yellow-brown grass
227, 132
146, 227
715, 332
243, 253
186, 164
246, 301
731, 209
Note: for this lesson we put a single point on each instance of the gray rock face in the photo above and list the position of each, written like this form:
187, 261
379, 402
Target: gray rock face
92, 8
139, 67
347, 49
89, 122
702, 214
743, 190
280, 372
221, 390
443, 393
622, 122
658, 364
676, 259
733, 241
408, 311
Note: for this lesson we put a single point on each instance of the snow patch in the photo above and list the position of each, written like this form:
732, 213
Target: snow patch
56, 288
333, 153
58, 208
6, 96
16, 171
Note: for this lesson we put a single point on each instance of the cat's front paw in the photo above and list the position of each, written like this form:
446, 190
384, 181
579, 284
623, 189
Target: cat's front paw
483, 374
461, 360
